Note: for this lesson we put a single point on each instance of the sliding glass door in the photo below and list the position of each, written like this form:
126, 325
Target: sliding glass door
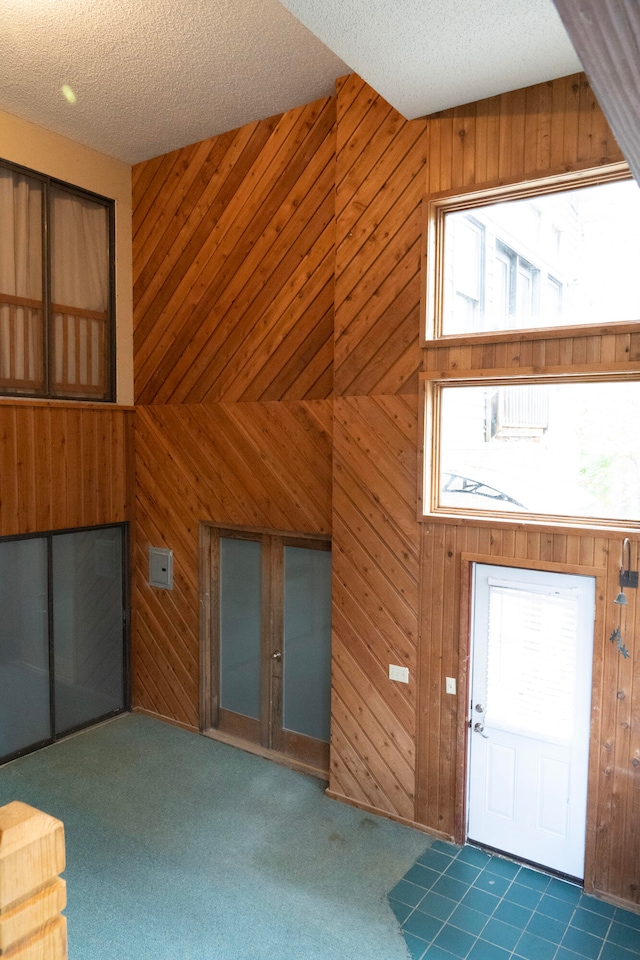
62, 634
25, 701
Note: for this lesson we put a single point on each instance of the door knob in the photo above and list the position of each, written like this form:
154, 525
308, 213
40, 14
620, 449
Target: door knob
276, 655
479, 728
479, 708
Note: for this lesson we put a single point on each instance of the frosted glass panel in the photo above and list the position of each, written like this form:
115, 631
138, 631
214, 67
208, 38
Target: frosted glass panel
87, 626
24, 645
307, 641
240, 626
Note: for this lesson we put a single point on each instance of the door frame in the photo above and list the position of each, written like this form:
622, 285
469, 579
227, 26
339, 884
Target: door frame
273, 742
467, 561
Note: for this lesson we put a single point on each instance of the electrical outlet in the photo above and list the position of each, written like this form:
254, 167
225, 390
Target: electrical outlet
450, 685
401, 674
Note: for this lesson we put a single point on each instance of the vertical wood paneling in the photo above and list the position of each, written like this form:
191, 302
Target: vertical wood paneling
612, 857
61, 468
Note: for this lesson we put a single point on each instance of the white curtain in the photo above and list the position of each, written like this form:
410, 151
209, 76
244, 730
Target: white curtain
80, 286
20, 277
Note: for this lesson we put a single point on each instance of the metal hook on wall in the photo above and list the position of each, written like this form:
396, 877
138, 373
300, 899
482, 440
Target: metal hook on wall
628, 578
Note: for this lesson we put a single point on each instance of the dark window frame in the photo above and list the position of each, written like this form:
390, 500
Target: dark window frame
47, 393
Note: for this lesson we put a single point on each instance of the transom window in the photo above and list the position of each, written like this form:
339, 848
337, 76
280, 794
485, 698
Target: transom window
563, 258
56, 289
545, 450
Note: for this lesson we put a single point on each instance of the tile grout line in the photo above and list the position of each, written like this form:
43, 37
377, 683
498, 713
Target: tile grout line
559, 951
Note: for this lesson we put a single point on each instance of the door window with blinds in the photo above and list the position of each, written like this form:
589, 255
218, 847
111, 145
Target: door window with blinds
531, 661
56, 289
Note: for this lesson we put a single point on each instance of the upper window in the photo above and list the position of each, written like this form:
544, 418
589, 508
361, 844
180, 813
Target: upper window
564, 258
550, 450
56, 289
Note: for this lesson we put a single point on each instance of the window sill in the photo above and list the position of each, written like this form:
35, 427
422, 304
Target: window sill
540, 524
69, 404
536, 333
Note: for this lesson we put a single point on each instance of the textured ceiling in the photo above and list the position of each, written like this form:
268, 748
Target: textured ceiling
153, 75
428, 55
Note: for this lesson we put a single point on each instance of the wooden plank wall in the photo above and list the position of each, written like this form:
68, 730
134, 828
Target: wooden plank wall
233, 264
63, 465
234, 244
376, 537
263, 256
262, 464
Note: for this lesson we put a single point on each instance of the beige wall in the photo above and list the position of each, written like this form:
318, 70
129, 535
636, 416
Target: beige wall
32, 146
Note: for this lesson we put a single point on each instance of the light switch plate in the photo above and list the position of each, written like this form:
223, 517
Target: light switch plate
450, 685
401, 674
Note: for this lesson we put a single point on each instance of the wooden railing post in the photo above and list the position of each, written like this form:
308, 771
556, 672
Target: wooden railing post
32, 854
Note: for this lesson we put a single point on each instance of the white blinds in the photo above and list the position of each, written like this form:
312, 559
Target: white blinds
531, 662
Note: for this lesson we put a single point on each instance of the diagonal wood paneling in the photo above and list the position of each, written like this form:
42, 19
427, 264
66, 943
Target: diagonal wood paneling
375, 596
239, 241
234, 264
252, 464
380, 183
63, 466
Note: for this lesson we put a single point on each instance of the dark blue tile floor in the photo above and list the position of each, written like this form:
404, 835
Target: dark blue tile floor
460, 903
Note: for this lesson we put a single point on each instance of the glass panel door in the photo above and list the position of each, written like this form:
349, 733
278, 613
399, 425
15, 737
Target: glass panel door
25, 714
62, 635
270, 632
307, 642
240, 636
87, 626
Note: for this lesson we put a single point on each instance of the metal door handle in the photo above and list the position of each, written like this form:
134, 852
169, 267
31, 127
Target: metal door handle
276, 655
479, 728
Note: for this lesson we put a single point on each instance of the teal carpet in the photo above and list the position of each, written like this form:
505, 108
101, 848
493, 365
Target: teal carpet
180, 848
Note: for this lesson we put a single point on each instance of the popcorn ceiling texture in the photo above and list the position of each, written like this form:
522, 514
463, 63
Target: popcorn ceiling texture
429, 55
154, 75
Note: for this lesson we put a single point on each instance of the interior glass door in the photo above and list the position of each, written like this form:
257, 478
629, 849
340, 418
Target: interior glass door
271, 642
240, 598
62, 635
25, 702
306, 700
87, 626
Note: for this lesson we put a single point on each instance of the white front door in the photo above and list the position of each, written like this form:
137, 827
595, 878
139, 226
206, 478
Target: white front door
532, 651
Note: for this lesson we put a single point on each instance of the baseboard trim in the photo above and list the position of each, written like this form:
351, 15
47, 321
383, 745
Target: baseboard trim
265, 753
436, 834
160, 716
